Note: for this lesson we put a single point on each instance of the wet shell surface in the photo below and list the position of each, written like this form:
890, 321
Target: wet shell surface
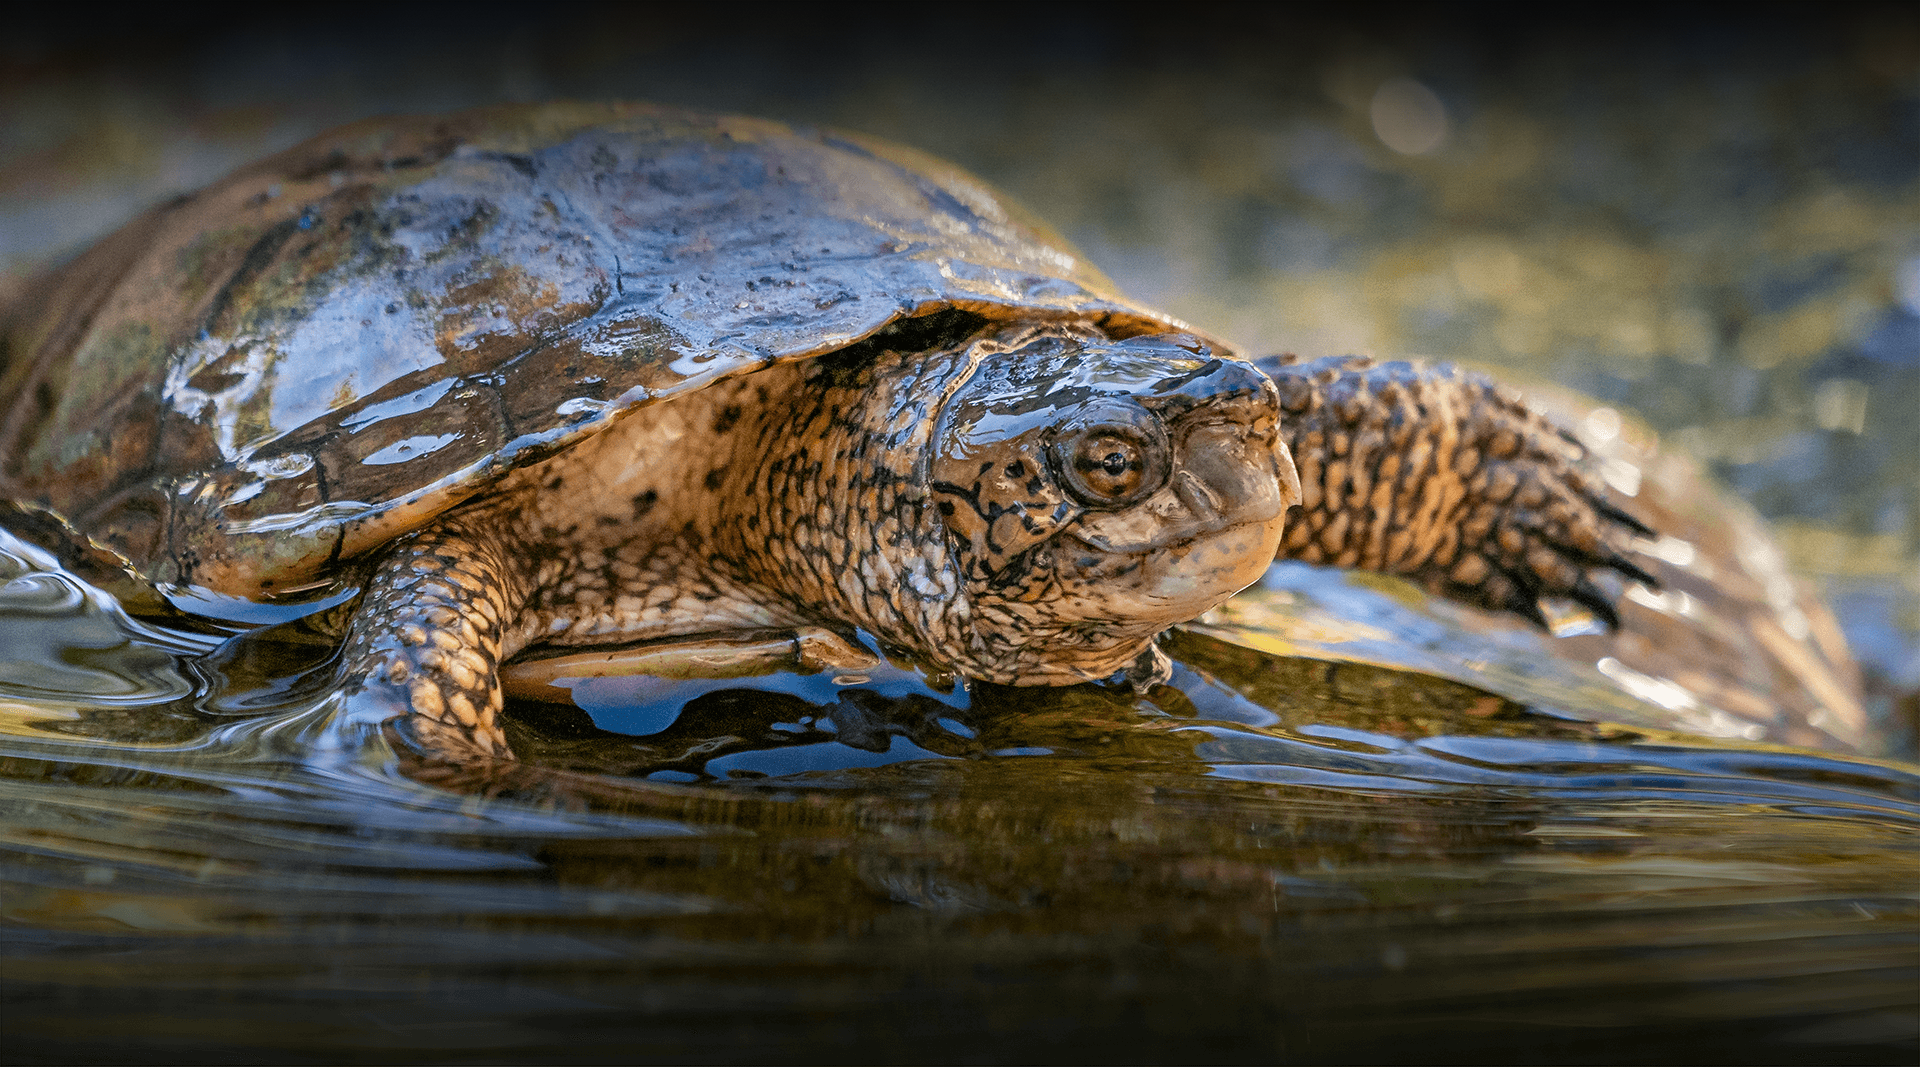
332, 346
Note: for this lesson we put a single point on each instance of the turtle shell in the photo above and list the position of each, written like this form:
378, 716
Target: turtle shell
328, 348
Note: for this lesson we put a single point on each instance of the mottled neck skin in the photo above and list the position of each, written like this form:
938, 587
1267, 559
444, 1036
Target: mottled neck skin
825, 504
835, 506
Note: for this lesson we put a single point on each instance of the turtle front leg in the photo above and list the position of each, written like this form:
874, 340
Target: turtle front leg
1438, 476
424, 648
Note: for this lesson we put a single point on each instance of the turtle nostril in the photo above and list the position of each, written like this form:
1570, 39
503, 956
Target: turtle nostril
1197, 496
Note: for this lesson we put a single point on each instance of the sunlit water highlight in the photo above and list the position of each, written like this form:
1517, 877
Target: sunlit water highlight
1274, 858
1287, 856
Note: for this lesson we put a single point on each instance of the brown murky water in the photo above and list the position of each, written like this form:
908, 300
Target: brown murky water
1358, 826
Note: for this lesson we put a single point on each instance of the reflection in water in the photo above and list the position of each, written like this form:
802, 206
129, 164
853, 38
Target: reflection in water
1270, 857
1275, 858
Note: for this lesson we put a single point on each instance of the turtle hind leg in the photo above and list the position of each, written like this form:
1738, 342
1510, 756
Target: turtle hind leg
424, 646
1440, 477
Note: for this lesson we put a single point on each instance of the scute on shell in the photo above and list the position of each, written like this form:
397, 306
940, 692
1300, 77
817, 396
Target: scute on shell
333, 345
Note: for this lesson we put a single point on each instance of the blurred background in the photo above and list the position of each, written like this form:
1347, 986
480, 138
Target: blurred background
1712, 223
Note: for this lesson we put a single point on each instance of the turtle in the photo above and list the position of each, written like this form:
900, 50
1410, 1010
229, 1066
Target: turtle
715, 389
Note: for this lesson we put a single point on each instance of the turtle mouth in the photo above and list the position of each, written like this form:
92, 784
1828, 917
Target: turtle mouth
1187, 539
1177, 578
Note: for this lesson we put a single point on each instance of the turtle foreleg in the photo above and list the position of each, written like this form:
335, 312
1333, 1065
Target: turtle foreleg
424, 647
1437, 475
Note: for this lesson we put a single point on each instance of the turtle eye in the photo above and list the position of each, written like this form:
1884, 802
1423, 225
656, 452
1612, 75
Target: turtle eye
1110, 466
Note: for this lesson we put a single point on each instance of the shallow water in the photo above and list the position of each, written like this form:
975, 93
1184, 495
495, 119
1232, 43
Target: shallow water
1298, 850
1270, 857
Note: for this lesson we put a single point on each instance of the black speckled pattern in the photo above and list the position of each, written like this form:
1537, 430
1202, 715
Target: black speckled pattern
1446, 479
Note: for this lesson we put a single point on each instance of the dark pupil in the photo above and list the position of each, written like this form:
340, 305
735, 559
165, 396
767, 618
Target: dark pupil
1111, 468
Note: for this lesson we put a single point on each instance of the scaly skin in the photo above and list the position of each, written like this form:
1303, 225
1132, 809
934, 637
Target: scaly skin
441, 611
776, 514
1442, 478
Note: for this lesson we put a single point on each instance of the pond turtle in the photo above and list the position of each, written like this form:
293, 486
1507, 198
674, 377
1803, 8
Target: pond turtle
715, 388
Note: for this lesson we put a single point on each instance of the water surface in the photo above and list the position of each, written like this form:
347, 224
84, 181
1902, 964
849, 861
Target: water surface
1271, 857
1299, 850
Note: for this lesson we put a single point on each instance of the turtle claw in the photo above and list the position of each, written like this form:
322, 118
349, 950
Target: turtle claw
1150, 668
1595, 599
1616, 562
1528, 607
1614, 514
1569, 574
1571, 532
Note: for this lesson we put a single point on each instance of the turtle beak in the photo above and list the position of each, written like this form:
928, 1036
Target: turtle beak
1229, 476
1289, 474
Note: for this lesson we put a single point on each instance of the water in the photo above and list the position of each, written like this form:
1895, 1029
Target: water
1271, 857
1358, 826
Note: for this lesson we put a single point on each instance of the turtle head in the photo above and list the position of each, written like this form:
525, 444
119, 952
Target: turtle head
1097, 492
